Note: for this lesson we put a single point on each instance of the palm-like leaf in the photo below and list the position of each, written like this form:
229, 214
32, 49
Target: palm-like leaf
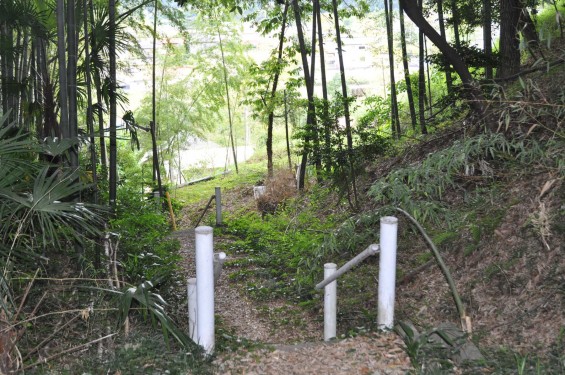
152, 304
36, 201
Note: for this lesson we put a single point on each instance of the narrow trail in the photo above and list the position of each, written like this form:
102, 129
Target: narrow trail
291, 339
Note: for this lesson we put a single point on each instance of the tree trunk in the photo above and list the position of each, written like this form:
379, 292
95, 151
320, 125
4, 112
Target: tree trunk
156, 166
448, 78
271, 118
455, 21
487, 37
309, 91
326, 122
100, 107
421, 81
89, 114
476, 97
314, 130
113, 179
72, 50
286, 132
509, 42
345, 104
394, 123
61, 58
407, 70
228, 102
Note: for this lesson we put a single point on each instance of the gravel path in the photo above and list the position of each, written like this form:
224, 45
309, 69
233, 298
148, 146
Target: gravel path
295, 347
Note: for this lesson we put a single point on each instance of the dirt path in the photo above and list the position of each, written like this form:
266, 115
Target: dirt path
291, 339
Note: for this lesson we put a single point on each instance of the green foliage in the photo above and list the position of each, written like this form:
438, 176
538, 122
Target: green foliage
148, 254
37, 201
283, 250
143, 354
427, 356
420, 188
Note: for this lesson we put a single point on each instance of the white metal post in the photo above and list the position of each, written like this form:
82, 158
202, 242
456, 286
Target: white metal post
192, 308
218, 207
205, 287
387, 272
330, 303
219, 260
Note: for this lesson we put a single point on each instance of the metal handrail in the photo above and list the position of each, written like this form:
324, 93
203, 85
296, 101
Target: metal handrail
370, 250
206, 209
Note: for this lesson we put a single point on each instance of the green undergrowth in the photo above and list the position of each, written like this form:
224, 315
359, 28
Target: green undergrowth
139, 354
281, 250
249, 174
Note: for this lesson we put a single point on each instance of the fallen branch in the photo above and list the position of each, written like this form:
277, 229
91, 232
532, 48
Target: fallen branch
465, 321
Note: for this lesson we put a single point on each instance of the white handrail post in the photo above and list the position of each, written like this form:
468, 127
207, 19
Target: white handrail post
387, 272
218, 195
330, 303
205, 287
219, 260
192, 308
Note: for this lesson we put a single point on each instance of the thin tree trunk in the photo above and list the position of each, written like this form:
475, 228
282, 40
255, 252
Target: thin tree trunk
421, 82
228, 101
113, 179
455, 21
156, 166
286, 131
271, 118
72, 48
89, 114
394, 123
429, 86
407, 71
448, 78
314, 130
309, 92
487, 37
345, 104
61, 58
325, 110
99, 105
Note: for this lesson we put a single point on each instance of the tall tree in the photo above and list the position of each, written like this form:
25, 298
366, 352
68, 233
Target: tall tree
153, 124
230, 121
72, 49
345, 103
113, 163
62, 60
487, 37
309, 90
421, 79
326, 121
278, 68
476, 97
89, 114
448, 79
394, 123
509, 41
406, 70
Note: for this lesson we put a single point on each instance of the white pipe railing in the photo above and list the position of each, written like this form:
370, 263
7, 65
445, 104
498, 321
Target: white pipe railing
371, 250
387, 272
387, 279
205, 287
330, 303
219, 259
192, 329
